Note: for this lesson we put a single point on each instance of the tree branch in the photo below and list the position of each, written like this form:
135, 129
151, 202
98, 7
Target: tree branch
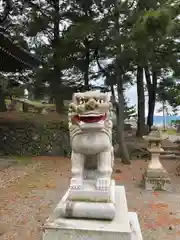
96, 55
7, 10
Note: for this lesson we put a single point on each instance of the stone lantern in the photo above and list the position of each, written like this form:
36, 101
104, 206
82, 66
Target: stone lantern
156, 177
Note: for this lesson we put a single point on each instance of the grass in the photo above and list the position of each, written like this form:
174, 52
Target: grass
22, 160
172, 131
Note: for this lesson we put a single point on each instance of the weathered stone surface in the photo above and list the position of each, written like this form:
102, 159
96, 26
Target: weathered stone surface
92, 156
91, 136
156, 173
155, 177
86, 209
91, 194
97, 206
124, 226
26, 138
157, 183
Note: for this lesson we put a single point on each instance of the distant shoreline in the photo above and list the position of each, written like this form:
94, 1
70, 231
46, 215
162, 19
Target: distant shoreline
160, 119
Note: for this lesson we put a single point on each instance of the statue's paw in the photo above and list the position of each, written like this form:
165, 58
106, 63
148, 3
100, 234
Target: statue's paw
103, 184
76, 183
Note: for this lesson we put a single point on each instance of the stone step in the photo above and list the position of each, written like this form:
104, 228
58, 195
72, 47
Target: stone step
169, 156
170, 148
170, 152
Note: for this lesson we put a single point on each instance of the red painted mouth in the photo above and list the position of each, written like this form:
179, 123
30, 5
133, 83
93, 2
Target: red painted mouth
90, 119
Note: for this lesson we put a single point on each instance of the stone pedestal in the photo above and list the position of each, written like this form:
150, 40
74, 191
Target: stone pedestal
124, 226
156, 180
93, 208
156, 177
88, 203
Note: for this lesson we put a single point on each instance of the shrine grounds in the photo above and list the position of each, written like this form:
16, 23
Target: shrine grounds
31, 189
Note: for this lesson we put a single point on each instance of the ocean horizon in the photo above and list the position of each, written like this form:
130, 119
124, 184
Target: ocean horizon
158, 120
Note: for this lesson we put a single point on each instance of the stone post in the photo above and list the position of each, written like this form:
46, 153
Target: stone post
156, 177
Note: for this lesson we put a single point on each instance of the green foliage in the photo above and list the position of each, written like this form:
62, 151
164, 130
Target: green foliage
15, 92
169, 90
146, 34
28, 138
157, 22
175, 122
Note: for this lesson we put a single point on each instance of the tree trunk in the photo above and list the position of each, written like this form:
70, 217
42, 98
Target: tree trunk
51, 100
86, 65
141, 103
24, 107
152, 87
113, 98
57, 93
57, 82
115, 107
3, 107
122, 150
178, 128
164, 117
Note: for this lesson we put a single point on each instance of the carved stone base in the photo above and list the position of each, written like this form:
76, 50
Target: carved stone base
156, 173
83, 207
125, 225
89, 193
156, 180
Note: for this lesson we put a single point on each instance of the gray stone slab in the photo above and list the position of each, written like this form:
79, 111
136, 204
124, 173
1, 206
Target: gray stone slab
86, 209
124, 226
156, 173
135, 227
90, 193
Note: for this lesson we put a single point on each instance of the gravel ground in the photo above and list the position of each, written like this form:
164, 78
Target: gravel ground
30, 193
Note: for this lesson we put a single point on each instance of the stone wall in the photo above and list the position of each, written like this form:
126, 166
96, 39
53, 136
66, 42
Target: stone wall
32, 139
23, 137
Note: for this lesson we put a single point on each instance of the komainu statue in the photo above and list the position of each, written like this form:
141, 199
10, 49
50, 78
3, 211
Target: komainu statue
92, 196
91, 139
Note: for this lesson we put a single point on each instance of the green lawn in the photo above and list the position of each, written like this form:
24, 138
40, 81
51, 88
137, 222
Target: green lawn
172, 131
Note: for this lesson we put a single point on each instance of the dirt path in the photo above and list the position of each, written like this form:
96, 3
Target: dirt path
28, 194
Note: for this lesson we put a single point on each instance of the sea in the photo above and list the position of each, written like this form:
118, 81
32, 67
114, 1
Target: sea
158, 120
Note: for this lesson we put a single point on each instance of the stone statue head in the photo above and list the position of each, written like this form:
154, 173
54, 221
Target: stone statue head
89, 109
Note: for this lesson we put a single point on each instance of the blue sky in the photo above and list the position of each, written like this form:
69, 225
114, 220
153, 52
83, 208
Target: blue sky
131, 94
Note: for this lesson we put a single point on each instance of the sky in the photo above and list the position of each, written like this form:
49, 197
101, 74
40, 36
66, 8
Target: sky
131, 94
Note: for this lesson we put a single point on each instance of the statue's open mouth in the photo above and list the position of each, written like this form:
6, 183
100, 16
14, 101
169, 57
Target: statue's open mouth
90, 118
